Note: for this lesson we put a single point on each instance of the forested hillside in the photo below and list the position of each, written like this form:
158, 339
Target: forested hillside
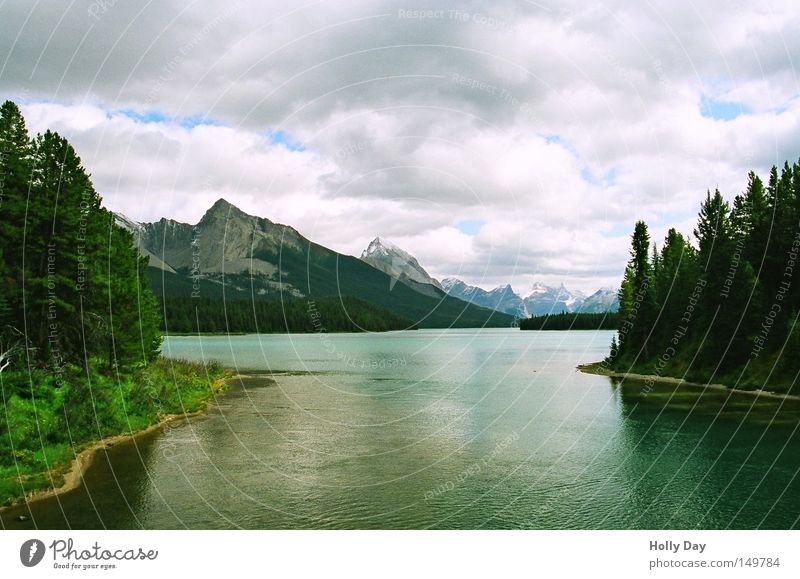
721, 307
571, 321
238, 256
73, 286
79, 325
329, 314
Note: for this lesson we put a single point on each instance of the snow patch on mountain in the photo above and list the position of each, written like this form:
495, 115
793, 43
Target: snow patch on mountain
397, 263
540, 300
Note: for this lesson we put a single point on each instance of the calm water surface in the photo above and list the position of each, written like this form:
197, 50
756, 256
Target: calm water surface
442, 429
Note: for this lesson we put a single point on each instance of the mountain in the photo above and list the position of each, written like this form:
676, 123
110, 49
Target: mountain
544, 299
601, 301
502, 298
400, 266
541, 300
231, 254
136, 229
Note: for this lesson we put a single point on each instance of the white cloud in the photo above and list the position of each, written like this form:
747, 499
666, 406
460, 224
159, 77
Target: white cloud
558, 124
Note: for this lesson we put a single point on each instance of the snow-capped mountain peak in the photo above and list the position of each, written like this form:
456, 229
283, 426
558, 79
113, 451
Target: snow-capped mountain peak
397, 263
126, 222
538, 288
383, 248
541, 300
502, 298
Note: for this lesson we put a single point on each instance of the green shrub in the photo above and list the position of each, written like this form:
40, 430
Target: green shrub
42, 426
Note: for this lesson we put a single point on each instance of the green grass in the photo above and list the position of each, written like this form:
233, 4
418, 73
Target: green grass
42, 427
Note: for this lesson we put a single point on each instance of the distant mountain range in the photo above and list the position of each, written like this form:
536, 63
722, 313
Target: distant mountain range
231, 254
501, 298
541, 299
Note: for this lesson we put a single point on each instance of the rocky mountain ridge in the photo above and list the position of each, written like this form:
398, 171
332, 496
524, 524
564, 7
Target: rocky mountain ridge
231, 254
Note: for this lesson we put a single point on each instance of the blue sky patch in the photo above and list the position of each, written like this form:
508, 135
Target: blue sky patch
553, 139
147, 116
157, 116
281, 137
192, 121
608, 179
470, 226
722, 110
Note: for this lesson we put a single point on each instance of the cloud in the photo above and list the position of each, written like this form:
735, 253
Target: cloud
555, 124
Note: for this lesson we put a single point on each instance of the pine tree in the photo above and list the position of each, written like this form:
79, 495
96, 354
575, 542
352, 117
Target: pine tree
713, 230
637, 308
715, 258
10, 337
60, 238
72, 280
626, 303
675, 281
16, 154
749, 216
740, 273
612, 355
131, 316
655, 260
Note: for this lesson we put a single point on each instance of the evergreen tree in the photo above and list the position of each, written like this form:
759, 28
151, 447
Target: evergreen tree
73, 284
61, 237
9, 335
626, 302
782, 228
16, 153
748, 217
637, 308
722, 295
715, 257
713, 230
129, 319
675, 281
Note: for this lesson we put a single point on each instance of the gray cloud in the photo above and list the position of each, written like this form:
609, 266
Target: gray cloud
558, 124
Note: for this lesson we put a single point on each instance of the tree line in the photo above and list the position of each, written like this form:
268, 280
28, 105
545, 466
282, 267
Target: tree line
722, 306
79, 325
73, 286
572, 321
183, 314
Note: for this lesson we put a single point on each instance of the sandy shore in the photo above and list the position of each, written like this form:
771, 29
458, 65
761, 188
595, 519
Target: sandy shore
597, 368
83, 460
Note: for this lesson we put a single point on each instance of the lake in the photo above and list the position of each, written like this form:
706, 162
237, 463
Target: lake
442, 429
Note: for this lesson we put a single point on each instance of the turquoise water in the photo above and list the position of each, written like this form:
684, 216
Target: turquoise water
443, 429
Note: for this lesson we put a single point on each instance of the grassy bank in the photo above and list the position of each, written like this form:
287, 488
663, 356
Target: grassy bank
48, 418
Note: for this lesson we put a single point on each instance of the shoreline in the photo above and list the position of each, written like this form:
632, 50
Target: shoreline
73, 476
597, 369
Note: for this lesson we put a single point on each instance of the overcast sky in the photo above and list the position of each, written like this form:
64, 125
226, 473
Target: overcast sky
496, 141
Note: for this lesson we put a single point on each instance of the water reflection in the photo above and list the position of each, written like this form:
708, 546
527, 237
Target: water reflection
489, 429
707, 458
110, 497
